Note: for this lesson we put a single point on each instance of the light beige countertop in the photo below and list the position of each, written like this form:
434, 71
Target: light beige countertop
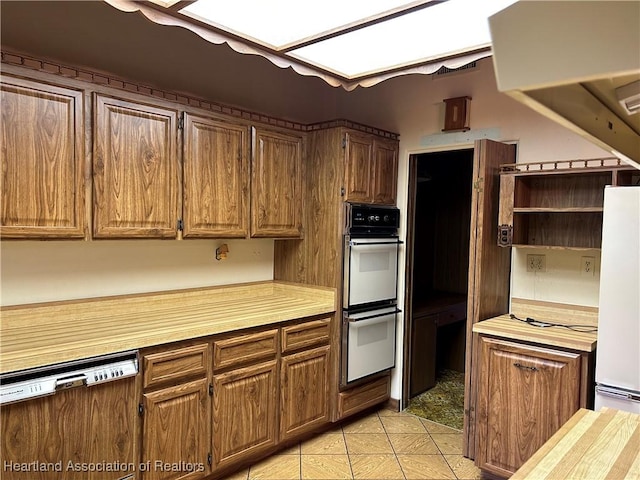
603, 445
43, 334
505, 327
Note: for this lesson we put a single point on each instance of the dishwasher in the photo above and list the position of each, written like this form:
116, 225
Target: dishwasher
72, 420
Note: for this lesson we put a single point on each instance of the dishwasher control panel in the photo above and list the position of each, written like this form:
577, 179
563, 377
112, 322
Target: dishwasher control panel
39, 382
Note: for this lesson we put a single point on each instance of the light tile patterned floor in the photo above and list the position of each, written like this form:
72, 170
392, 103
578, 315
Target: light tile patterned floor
384, 445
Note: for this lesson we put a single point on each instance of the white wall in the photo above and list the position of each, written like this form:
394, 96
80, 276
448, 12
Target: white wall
46, 271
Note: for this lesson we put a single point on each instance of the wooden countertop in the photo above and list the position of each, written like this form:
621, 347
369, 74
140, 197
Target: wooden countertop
43, 334
591, 445
505, 327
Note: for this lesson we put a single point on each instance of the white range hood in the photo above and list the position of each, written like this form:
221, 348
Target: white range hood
568, 60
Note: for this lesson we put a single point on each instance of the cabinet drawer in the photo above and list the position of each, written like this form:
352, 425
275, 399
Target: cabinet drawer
455, 313
305, 335
364, 396
173, 365
245, 349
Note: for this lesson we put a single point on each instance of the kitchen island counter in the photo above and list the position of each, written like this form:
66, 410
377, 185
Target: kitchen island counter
594, 445
43, 334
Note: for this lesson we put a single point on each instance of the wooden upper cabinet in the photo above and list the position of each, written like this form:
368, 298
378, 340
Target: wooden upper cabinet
276, 184
43, 161
216, 178
371, 169
385, 171
135, 170
358, 173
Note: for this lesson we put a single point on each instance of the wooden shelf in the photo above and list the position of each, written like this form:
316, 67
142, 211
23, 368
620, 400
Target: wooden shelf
557, 204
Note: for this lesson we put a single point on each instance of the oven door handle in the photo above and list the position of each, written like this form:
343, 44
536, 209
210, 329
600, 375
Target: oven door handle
356, 320
353, 243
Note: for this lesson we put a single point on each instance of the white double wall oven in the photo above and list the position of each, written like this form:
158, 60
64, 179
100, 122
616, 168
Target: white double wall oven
370, 283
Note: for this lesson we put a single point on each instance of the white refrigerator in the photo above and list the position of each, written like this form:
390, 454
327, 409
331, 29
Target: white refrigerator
618, 350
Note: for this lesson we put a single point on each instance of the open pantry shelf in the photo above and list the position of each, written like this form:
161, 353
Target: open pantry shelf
557, 204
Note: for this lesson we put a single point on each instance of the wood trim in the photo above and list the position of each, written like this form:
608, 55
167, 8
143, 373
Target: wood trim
105, 79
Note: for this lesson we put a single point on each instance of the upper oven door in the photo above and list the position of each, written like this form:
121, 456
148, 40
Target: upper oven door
370, 271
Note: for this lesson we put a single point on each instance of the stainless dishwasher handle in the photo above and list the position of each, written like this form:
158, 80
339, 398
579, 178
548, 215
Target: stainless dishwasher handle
71, 382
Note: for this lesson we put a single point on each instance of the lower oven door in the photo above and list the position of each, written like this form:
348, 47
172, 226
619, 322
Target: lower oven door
369, 343
370, 271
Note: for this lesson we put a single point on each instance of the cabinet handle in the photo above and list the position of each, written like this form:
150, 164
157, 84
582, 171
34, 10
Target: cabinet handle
526, 367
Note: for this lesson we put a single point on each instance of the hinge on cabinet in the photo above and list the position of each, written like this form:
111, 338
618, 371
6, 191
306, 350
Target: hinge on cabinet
344, 142
209, 458
181, 121
505, 235
180, 224
477, 185
210, 390
342, 191
140, 409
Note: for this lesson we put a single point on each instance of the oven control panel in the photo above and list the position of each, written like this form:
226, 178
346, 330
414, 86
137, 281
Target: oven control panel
372, 218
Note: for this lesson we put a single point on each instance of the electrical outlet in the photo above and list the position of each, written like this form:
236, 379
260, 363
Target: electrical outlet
536, 263
588, 266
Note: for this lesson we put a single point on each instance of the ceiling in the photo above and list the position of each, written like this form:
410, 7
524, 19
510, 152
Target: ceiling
352, 43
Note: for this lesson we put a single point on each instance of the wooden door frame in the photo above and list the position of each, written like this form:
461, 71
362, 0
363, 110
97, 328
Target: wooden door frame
409, 259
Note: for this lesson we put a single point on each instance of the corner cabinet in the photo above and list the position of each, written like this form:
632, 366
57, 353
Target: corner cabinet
557, 204
43, 160
216, 178
525, 394
135, 170
276, 184
371, 169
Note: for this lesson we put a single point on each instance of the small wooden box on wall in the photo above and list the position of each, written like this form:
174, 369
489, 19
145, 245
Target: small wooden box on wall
456, 114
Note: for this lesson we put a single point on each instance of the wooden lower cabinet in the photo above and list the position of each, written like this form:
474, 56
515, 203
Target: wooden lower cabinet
176, 435
244, 412
363, 396
525, 394
304, 391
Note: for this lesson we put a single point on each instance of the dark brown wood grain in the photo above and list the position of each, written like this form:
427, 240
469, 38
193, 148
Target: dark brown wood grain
216, 178
276, 184
358, 167
489, 264
82, 425
43, 161
176, 429
384, 171
525, 394
135, 170
304, 382
244, 412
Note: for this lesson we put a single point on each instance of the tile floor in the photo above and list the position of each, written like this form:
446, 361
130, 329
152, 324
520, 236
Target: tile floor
383, 445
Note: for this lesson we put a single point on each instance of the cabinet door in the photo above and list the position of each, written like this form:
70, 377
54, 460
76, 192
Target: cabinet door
489, 265
304, 387
358, 164
244, 412
216, 178
135, 170
525, 395
176, 435
43, 161
72, 430
385, 171
276, 184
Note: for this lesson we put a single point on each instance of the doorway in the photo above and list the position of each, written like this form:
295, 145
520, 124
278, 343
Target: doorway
440, 205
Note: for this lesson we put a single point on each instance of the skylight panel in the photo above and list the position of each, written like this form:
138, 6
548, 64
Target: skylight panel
277, 23
449, 28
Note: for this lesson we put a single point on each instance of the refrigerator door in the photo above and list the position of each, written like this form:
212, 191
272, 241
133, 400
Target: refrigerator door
618, 399
618, 348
